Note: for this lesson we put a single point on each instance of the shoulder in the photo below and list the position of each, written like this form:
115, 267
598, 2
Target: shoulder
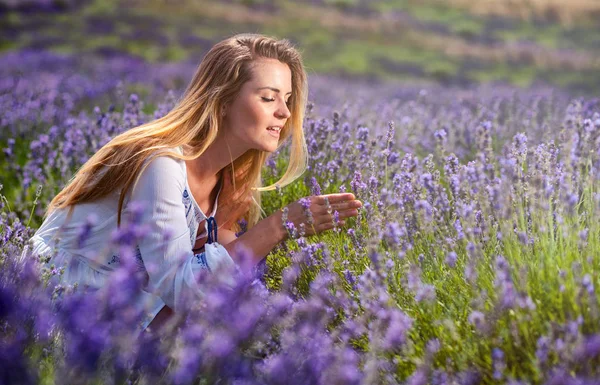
162, 171
164, 163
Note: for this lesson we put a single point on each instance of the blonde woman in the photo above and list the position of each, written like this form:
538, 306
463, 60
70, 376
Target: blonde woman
197, 172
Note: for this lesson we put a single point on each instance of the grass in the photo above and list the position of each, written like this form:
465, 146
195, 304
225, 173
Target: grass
565, 13
522, 77
545, 36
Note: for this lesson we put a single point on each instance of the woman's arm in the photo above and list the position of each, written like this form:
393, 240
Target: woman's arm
171, 264
259, 240
226, 236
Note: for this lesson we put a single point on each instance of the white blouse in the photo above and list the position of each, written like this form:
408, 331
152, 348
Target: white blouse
171, 266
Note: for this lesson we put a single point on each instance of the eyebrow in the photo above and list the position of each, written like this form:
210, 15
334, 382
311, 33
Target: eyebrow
272, 89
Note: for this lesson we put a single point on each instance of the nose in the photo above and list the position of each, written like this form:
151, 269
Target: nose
283, 112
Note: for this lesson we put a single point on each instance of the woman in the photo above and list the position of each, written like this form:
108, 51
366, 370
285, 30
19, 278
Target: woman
205, 156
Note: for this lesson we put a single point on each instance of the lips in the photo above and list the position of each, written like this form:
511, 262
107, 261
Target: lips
274, 131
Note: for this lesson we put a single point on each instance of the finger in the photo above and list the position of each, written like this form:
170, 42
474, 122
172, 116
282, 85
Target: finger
325, 226
322, 212
334, 198
329, 218
346, 205
316, 203
330, 225
348, 213
339, 207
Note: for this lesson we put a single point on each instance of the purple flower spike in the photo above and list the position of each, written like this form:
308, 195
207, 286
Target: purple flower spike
451, 259
86, 230
315, 187
477, 318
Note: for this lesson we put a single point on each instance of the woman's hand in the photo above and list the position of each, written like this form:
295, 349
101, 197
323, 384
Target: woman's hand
316, 213
260, 239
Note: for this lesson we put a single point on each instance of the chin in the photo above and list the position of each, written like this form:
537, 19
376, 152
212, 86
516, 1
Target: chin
267, 147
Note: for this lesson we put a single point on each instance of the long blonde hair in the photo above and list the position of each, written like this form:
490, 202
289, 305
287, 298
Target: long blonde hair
194, 122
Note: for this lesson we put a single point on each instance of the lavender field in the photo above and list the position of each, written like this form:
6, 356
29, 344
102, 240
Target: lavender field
474, 259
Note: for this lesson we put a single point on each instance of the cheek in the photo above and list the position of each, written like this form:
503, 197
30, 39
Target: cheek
259, 113
247, 113
255, 116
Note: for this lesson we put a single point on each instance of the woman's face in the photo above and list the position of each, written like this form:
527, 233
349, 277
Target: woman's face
260, 109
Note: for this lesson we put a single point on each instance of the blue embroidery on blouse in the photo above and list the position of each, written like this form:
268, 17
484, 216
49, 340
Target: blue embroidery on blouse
198, 215
187, 201
201, 260
138, 259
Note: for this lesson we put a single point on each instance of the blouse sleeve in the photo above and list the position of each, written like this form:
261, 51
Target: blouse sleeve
171, 265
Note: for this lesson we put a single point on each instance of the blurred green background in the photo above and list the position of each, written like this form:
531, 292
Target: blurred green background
452, 42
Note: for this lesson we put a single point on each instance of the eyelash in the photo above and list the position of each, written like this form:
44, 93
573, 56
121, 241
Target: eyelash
272, 100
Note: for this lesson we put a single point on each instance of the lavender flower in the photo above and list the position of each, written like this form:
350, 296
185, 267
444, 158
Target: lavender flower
393, 233
451, 258
315, 187
86, 230
477, 318
305, 202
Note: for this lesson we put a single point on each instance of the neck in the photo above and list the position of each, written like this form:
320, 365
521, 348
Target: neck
217, 156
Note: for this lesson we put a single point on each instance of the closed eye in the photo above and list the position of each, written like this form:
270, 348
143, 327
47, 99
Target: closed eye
288, 103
